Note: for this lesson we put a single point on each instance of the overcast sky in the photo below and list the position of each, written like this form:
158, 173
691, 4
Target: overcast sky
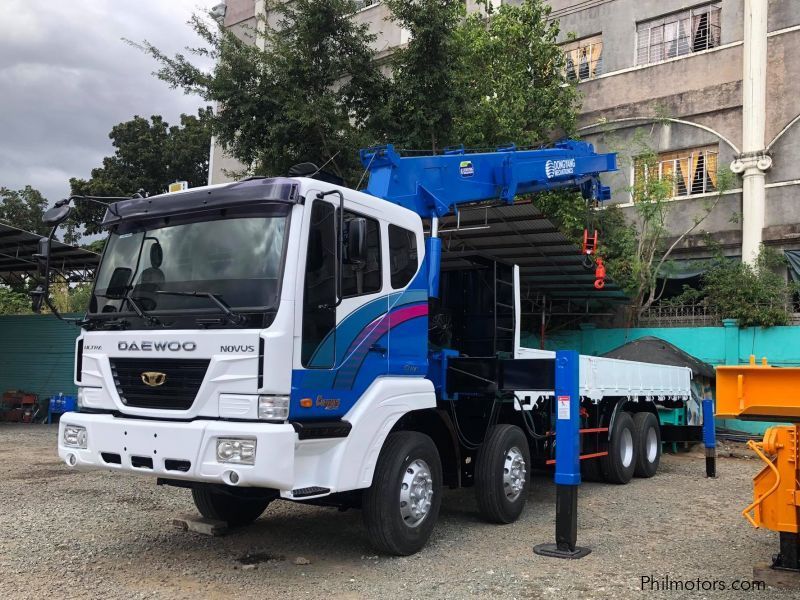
66, 77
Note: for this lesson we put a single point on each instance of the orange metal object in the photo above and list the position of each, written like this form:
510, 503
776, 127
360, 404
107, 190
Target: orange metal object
758, 391
775, 487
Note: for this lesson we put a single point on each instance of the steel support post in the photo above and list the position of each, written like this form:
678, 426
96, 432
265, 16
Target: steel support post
709, 437
568, 459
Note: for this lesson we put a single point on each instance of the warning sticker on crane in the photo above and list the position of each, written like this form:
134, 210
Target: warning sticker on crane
466, 169
563, 407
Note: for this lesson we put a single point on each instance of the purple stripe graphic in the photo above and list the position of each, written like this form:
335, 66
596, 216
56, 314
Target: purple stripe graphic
358, 350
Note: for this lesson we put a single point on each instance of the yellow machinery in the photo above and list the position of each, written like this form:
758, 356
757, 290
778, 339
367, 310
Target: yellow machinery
759, 392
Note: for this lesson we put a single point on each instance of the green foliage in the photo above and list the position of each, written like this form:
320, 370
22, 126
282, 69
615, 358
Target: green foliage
756, 295
427, 89
23, 209
149, 155
512, 74
97, 245
70, 299
306, 92
312, 89
14, 302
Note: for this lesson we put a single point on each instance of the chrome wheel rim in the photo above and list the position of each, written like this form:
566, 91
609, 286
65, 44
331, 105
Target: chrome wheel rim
514, 471
626, 447
416, 493
652, 445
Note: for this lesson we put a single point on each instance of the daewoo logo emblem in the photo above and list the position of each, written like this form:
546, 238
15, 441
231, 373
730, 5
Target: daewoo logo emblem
153, 378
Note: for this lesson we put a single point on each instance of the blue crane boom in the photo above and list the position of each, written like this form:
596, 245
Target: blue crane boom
434, 186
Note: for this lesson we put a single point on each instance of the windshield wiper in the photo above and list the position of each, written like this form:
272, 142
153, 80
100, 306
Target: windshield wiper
140, 312
136, 308
234, 317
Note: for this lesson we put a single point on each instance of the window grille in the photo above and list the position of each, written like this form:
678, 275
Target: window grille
678, 34
693, 171
584, 59
362, 4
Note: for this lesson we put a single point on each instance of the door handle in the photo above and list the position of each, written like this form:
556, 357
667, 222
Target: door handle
377, 348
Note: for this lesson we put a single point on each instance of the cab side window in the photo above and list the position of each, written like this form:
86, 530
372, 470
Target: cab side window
364, 278
403, 256
319, 296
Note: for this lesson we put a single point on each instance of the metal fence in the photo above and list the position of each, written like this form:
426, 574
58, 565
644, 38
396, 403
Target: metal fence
681, 315
696, 315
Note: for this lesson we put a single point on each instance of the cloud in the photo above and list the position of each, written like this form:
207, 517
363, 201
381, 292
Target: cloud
67, 77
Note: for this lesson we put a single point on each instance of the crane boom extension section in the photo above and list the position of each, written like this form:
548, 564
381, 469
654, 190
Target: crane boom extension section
434, 186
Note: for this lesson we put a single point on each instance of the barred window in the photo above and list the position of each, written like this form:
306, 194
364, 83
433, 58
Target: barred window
362, 4
678, 34
693, 171
584, 58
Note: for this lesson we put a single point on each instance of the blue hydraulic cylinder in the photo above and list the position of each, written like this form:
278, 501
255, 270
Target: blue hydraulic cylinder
568, 437
709, 435
433, 258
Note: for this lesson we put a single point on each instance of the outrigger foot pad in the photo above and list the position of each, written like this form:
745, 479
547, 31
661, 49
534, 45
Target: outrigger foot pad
553, 551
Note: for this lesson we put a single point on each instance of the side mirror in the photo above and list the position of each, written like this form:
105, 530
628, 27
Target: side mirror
56, 215
42, 256
357, 241
119, 283
37, 299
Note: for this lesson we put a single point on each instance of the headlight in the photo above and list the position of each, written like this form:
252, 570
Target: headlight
75, 436
273, 408
235, 450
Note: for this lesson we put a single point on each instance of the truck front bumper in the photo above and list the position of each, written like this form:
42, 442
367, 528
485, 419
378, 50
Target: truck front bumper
181, 450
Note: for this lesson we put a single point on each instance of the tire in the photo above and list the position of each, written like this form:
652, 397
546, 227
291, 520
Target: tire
647, 435
225, 507
408, 461
502, 474
618, 466
591, 470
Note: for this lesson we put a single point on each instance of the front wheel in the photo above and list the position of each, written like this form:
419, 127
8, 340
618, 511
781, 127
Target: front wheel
502, 474
236, 511
402, 504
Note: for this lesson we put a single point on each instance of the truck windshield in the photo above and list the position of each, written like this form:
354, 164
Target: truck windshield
238, 260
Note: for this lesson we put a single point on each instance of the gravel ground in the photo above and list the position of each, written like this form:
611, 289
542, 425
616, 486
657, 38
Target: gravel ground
65, 534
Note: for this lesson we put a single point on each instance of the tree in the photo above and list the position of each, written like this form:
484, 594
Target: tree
514, 74
755, 295
14, 302
655, 242
149, 155
485, 79
23, 209
308, 93
428, 87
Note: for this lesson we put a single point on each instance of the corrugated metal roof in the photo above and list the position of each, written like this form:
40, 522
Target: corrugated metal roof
18, 246
520, 234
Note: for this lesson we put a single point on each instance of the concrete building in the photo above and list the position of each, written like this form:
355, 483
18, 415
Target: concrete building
705, 83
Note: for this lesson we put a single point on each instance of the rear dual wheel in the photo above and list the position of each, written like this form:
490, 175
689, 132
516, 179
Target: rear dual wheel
634, 448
